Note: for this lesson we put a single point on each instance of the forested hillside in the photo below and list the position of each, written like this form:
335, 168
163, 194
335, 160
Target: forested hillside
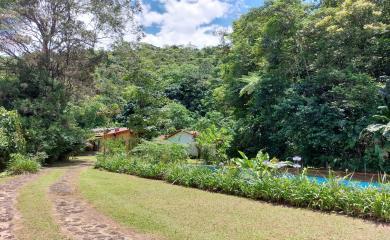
292, 78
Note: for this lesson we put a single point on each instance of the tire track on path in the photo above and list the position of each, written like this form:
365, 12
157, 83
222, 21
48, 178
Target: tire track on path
8, 212
78, 219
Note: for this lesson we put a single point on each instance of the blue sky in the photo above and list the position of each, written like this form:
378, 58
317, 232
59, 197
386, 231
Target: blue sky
175, 22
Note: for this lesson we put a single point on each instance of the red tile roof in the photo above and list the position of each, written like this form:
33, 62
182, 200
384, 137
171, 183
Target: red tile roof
116, 131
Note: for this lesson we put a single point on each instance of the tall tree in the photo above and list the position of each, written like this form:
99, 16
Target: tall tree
55, 34
51, 57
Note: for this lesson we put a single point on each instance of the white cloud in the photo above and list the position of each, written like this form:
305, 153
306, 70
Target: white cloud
184, 22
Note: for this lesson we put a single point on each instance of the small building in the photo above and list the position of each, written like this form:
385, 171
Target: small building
184, 137
105, 134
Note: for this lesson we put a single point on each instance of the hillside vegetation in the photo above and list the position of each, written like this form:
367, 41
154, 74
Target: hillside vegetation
292, 79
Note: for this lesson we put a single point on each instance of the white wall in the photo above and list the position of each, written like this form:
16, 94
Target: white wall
185, 138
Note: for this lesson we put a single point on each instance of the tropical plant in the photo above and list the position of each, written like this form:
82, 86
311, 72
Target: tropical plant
301, 85
11, 135
261, 165
156, 152
114, 146
20, 164
213, 144
375, 138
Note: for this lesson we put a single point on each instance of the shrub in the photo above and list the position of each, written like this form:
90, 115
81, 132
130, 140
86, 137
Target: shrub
156, 152
213, 143
20, 164
11, 136
114, 146
112, 163
59, 139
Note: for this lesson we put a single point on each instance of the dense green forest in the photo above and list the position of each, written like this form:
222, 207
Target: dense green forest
292, 78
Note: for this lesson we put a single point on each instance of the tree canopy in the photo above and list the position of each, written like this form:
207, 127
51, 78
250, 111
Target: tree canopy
294, 78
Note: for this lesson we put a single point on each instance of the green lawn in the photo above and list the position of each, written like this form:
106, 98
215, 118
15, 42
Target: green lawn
176, 212
85, 158
35, 209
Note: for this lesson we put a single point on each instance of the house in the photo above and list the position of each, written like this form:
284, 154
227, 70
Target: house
184, 137
105, 134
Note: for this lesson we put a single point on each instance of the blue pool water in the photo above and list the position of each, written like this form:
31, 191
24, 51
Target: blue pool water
353, 183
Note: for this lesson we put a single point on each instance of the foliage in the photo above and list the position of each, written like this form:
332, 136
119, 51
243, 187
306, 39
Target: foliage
158, 90
375, 140
174, 116
322, 118
50, 48
213, 144
156, 152
295, 78
93, 112
297, 191
20, 164
46, 127
304, 79
114, 146
11, 135
59, 139
261, 165
42, 73
190, 91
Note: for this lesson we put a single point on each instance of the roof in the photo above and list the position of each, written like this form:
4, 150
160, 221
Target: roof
100, 132
193, 133
116, 131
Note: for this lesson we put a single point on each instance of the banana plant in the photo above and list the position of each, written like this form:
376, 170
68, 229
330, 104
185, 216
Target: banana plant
261, 165
376, 137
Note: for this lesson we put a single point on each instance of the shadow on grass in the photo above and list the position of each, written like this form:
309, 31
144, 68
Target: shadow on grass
86, 159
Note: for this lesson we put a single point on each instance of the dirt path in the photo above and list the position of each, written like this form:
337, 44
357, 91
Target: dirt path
77, 218
8, 211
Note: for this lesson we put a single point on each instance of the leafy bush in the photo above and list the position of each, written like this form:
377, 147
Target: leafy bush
93, 112
313, 103
115, 162
156, 152
213, 144
11, 136
114, 146
120, 163
374, 140
20, 164
296, 191
174, 116
58, 139
261, 165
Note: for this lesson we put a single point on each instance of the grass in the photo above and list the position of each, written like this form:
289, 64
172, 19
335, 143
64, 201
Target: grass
298, 192
35, 209
84, 158
176, 212
20, 163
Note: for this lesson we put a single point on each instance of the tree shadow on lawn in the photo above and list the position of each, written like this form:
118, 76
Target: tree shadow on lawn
86, 159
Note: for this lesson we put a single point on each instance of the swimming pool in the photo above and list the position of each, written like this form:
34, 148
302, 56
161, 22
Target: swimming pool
349, 183
321, 180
